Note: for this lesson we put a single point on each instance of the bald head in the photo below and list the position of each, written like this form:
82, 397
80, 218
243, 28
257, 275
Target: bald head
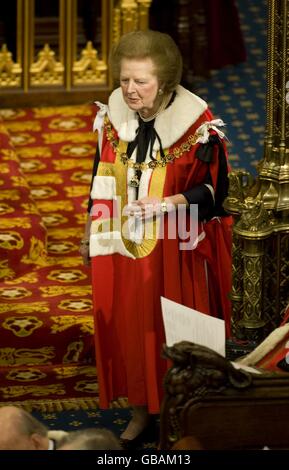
21, 431
90, 439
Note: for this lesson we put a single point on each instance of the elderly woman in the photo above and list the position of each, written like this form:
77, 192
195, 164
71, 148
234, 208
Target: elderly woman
160, 154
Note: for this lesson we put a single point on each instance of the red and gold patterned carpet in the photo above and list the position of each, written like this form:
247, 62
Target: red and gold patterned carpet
46, 323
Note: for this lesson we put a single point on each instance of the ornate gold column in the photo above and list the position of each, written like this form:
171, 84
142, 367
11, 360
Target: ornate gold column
143, 13
130, 15
260, 290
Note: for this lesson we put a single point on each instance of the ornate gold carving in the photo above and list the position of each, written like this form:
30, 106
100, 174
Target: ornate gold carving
240, 183
275, 168
89, 69
261, 232
143, 13
237, 282
252, 302
10, 72
254, 219
47, 70
116, 25
129, 16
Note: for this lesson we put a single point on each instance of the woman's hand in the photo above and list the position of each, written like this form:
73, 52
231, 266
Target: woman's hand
144, 208
84, 243
84, 251
148, 207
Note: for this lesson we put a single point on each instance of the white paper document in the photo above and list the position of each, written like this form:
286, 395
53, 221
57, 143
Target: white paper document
185, 324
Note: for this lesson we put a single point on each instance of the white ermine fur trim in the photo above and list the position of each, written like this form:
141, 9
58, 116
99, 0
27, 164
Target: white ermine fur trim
127, 130
104, 187
266, 346
170, 125
107, 243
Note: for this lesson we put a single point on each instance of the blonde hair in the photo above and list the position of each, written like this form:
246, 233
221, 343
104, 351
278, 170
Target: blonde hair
157, 46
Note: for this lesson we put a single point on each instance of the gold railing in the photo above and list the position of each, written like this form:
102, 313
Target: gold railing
67, 60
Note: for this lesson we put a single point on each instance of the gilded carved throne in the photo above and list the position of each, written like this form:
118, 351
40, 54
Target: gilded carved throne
57, 51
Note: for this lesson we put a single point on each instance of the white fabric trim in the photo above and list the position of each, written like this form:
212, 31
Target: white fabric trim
99, 118
107, 243
104, 187
200, 237
204, 133
170, 125
99, 122
210, 187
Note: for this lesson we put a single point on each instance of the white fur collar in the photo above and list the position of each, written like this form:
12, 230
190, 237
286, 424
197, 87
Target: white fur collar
170, 125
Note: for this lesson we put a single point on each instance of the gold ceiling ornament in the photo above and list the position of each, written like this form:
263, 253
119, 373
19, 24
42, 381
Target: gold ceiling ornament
46, 70
260, 282
10, 72
89, 69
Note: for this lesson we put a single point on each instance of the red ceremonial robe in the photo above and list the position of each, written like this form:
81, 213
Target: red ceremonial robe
129, 329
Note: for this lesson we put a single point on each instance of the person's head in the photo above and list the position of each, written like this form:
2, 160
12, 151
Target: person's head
148, 66
21, 431
90, 439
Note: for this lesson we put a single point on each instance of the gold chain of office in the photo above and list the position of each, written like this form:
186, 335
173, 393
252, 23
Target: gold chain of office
168, 158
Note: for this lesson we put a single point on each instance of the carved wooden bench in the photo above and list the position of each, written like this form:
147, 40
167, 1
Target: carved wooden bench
220, 406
